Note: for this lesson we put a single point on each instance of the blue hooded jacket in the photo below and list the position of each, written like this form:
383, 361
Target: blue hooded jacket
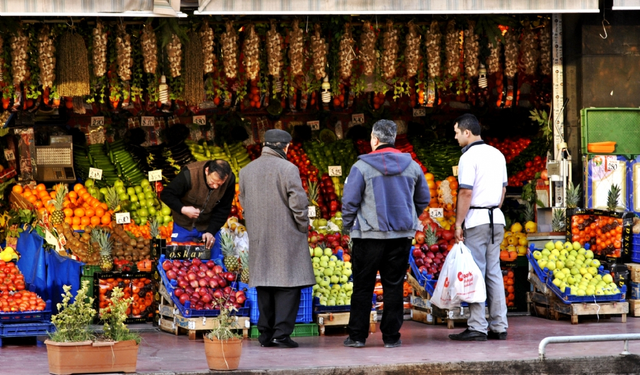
383, 196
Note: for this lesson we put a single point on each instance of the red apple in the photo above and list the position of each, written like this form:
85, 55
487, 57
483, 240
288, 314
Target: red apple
167, 265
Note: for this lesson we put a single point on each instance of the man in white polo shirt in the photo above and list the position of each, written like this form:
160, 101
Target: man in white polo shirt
482, 180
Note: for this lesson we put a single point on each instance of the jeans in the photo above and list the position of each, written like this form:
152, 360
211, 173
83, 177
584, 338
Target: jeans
487, 257
369, 256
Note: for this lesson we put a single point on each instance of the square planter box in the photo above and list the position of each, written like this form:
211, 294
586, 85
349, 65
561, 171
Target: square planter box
91, 357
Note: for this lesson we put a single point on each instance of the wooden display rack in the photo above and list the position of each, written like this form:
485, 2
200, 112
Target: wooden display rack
546, 304
341, 319
171, 321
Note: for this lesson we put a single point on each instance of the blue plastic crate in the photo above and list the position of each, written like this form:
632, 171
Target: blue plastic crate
542, 274
569, 298
304, 311
26, 329
420, 277
27, 316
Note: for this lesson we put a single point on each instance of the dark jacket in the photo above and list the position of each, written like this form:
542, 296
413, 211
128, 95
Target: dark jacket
384, 195
190, 188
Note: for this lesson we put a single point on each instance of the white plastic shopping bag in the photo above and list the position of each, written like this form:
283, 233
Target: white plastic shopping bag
469, 283
444, 295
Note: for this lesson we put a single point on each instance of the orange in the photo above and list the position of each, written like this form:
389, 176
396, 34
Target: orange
104, 206
106, 219
85, 196
51, 208
99, 211
32, 198
77, 227
68, 220
52, 195
76, 220
68, 212
95, 221
89, 212
41, 187
77, 187
429, 176
38, 204
27, 194
85, 221
41, 210
17, 189
73, 195
79, 212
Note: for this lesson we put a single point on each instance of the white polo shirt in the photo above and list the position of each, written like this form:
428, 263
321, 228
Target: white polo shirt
482, 168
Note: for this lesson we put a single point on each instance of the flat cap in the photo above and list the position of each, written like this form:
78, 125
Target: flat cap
277, 135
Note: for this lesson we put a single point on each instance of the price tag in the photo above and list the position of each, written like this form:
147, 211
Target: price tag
247, 324
147, 121
200, 120
62, 239
192, 324
9, 155
455, 171
436, 212
155, 175
357, 118
95, 173
419, 112
52, 240
610, 165
315, 125
312, 211
123, 218
335, 171
97, 121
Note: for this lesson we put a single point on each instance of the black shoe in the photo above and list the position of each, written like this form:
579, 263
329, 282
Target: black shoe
265, 341
497, 335
353, 344
469, 335
396, 344
284, 342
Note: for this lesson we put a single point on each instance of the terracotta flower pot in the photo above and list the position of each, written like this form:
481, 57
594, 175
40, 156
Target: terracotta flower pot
91, 357
223, 355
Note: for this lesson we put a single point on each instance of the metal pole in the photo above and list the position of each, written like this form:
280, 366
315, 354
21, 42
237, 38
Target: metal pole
589, 338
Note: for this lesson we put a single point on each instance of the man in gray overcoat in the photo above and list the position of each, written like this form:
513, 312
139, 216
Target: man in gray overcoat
276, 213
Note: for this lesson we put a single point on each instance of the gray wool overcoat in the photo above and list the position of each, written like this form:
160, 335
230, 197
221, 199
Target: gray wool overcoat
276, 212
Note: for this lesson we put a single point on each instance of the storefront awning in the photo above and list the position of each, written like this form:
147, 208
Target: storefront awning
320, 7
92, 8
626, 5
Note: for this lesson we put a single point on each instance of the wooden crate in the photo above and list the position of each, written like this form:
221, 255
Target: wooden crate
634, 307
172, 321
422, 316
634, 272
542, 305
605, 309
341, 319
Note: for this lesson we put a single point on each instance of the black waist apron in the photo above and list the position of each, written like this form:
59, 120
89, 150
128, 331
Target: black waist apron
490, 209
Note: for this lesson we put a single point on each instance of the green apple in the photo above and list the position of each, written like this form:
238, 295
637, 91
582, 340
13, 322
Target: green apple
542, 263
555, 252
328, 252
324, 264
595, 263
151, 202
131, 191
167, 220
133, 198
152, 210
537, 255
123, 197
607, 278
317, 252
558, 245
576, 245
568, 245
137, 189
332, 263
560, 276
549, 245
582, 251
89, 183
141, 196
166, 211
551, 265
118, 183
335, 279
588, 254
328, 271
546, 252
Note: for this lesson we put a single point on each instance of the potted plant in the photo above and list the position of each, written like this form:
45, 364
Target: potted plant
222, 346
73, 348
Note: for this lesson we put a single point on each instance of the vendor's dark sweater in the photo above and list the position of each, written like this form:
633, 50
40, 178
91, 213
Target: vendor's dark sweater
178, 187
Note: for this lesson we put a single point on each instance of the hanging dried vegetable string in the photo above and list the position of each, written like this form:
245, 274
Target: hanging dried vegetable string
174, 55
149, 44
251, 52
510, 53
493, 60
229, 42
390, 53
72, 66
346, 55
471, 51
193, 68
99, 50
46, 58
319, 49
274, 50
452, 49
19, 45
412, 50
529, 50
296, 49
368, 49
123, 46
1, 59
433, 42
206, 38
545, 49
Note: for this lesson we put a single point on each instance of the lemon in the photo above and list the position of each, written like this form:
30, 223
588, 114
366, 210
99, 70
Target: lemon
531, 227
516, 228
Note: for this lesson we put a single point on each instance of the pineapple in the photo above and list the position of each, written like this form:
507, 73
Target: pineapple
431, 238
313, 198
558, 222
153, 228
104, 243
572, 195
244, 260
228, 251
113, 202
528, 212
57, 217
612, 197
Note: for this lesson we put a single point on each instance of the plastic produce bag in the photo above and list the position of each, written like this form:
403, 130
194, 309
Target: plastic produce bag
445, 296
469, 283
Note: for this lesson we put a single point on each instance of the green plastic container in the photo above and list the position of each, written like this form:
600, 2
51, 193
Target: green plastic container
620, 125
88, 271
300, 330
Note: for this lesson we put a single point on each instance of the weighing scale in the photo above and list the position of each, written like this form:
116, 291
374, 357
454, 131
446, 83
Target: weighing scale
55, 162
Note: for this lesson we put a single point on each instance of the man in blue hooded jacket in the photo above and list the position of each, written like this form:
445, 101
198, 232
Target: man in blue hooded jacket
383, 196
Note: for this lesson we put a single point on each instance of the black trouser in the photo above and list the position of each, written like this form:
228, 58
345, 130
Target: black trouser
278, 308
369, 256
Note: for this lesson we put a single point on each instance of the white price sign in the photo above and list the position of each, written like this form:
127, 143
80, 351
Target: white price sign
200, 120
95, 173
419, 112
155, 175
455, 170
9, 155
147, 121
97, 121
436, 212
312, 211
610, 165
123, 218
315, 125
357, 118
335, 171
